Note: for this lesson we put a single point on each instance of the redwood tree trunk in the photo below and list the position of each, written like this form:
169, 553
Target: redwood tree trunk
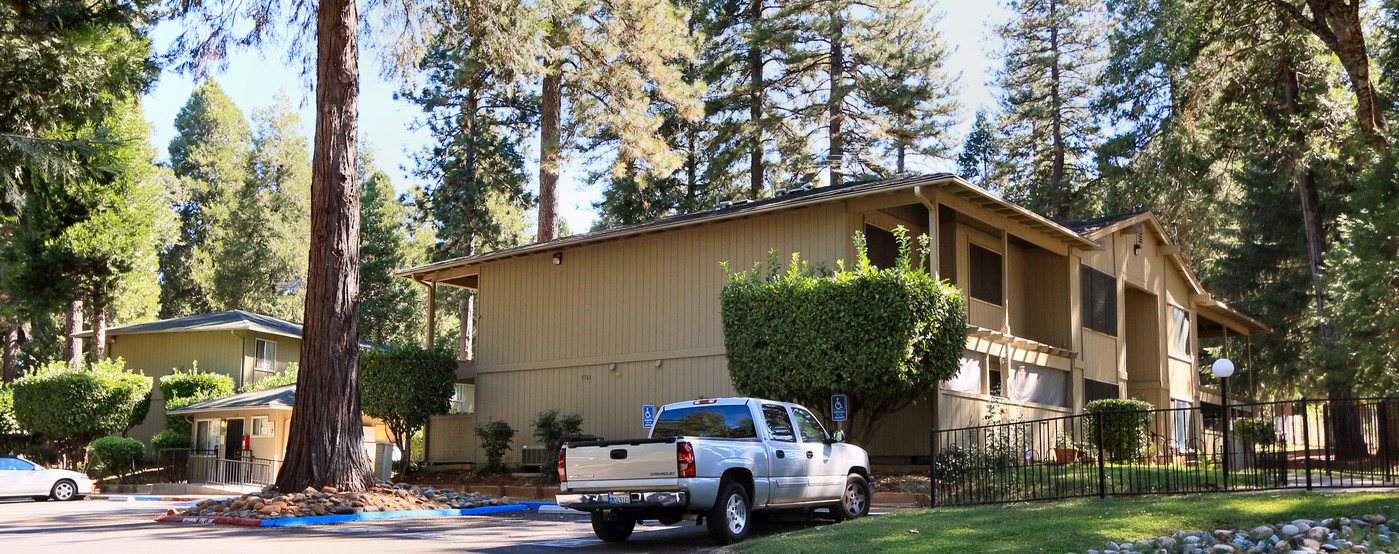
755, 101
550, 109
73, 346
1341, 28
11, 358
1056, 170
837, 137
325, 445
99, 334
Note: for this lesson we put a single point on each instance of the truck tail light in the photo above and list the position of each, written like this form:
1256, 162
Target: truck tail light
562, 453
685, 458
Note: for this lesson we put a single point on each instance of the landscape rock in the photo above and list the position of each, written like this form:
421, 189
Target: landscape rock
383, 497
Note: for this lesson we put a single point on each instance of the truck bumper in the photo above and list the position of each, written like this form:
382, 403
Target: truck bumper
625, 500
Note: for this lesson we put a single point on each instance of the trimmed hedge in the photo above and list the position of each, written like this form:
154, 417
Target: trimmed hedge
1256, 431
404, 386
9, 426
1125, 434
284, 378
72, 405
116, 455
169, 439
883, 337
184, 387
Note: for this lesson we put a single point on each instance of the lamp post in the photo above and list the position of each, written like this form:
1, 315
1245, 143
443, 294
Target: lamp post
1223, 368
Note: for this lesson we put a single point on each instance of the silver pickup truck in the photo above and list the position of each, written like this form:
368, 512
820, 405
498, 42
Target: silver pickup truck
715, 461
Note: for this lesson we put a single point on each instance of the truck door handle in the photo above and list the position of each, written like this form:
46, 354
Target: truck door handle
809, 455
781, 454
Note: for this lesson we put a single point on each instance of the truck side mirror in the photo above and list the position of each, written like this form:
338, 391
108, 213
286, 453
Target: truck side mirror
838, 436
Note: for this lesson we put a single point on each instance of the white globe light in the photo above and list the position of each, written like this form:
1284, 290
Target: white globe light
1223, 368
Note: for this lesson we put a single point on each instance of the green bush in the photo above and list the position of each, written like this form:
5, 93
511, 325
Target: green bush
71, 405
1124, 434
170, 439
404, 386
177, 423
552, 429
883, 337
10, 433
184, 387
495, 438
1256, 431
116, 455
282, 379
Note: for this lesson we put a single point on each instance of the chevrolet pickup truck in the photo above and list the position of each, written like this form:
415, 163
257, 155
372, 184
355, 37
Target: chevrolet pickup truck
717, 462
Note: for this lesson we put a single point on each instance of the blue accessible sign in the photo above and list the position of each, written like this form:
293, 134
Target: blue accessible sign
648, 415
838, 407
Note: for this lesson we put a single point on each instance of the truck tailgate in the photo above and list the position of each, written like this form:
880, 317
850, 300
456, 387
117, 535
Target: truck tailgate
619, 464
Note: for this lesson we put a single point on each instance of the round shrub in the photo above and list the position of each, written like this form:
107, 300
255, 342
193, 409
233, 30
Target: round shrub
169, 439
116, 455
495, 438
184, 387
1126, 425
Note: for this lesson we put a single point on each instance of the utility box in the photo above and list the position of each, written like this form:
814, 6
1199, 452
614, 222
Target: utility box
383, 460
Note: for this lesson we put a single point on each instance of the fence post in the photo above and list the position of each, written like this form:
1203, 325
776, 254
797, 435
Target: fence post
1102, 455
1306, 443
1386, 454
932, 468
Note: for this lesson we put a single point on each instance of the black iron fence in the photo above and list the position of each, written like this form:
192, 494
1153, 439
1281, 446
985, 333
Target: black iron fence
1299, 444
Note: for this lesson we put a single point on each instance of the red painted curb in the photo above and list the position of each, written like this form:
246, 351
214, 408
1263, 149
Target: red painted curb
204, 520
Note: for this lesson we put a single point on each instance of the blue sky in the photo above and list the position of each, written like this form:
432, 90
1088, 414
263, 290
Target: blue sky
252, 79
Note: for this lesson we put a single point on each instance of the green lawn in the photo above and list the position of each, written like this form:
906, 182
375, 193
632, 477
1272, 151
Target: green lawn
1069, 526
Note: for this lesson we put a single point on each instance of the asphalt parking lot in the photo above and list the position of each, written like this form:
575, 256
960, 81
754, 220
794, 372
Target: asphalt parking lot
109, 527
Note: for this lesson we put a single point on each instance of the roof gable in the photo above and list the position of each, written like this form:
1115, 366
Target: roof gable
279, 398
232, 320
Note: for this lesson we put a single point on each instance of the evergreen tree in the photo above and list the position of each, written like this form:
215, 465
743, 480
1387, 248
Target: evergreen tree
209, 155
262, 252
1052, 53
390, 308
980, 151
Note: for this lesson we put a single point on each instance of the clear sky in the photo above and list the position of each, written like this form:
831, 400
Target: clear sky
253, 78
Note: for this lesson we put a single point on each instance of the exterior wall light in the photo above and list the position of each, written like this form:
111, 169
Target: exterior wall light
558, 258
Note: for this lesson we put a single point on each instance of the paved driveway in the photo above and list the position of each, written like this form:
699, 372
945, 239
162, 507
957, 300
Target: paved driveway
106, 527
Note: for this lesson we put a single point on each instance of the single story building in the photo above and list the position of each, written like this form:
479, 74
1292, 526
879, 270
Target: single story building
1059, 313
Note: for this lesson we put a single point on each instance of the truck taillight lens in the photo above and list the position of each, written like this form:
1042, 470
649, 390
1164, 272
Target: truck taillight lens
685, 458
562, 453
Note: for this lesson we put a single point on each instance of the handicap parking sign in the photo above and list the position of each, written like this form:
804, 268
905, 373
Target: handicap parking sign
838, 407
648, 415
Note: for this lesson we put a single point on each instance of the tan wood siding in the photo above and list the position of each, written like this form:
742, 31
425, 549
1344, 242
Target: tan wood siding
159, 354
1099, 356
1045, 298
982, 314
452, 439
656, 294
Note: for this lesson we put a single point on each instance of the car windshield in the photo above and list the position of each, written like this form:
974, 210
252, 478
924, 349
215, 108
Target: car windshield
728, 422
16, 464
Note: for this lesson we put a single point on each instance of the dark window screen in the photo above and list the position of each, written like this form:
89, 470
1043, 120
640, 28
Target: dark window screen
1098, 390
984, 272
725, 422
1099, 291
881, 247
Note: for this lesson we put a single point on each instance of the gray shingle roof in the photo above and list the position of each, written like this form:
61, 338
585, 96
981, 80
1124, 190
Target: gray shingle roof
283, 397
232, 320
1086, 227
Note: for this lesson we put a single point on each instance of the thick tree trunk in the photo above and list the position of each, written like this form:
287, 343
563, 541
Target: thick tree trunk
903, 147
837, 100
11, 357
755, 100
73, 324
550, 150
1057, 207
1340, 27
99, 334
325, 446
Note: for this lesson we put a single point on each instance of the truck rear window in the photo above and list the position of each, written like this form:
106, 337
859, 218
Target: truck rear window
726, 422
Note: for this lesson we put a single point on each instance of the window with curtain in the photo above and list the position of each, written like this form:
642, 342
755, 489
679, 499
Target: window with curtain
1099, 300
968, 378
266, 356
1180, 333
984, 275
1040, 385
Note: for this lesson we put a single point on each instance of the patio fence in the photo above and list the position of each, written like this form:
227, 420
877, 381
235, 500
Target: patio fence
1298, 444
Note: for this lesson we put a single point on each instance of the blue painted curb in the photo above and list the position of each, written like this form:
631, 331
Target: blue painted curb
367, 516
534, 506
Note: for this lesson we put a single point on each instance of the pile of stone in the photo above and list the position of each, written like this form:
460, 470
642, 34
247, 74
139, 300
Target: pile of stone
383, 497
1369, 534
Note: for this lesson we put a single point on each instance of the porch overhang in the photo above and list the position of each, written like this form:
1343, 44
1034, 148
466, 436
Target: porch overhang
1218, 320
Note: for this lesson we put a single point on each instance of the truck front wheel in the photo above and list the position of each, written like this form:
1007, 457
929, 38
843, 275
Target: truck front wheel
730, 518
616, 529
855, 501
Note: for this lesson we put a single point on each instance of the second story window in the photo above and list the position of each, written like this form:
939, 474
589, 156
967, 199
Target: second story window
984, 275
1099, 292
266, 357
1180, 333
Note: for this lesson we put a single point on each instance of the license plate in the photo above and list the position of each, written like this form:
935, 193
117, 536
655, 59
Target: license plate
621, 499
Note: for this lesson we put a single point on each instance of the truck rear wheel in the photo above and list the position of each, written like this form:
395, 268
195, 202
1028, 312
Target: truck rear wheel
855, 501
732, 513
617, 529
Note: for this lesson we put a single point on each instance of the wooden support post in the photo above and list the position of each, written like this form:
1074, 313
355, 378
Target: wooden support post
431, 313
